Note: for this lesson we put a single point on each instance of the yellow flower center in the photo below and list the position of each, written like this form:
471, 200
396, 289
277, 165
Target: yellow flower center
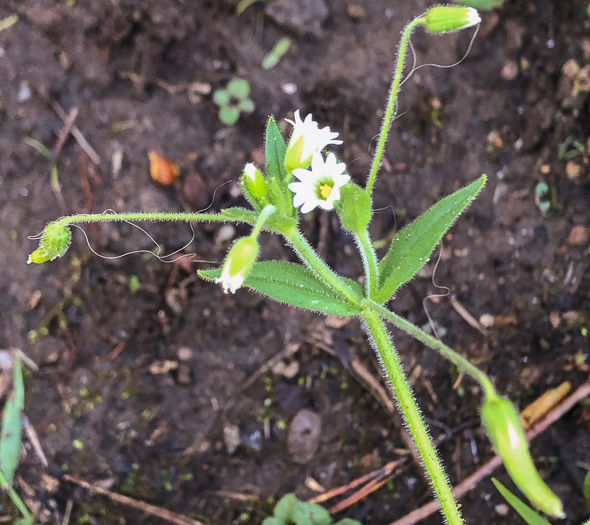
325, 190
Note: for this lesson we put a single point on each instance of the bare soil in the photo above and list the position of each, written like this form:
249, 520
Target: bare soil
133, 388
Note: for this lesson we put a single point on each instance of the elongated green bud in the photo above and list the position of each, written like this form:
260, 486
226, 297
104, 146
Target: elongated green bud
447, 19
502, 425
254, 186
238, 263
55, 241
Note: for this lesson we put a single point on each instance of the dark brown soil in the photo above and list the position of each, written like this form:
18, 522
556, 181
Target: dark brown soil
100, 405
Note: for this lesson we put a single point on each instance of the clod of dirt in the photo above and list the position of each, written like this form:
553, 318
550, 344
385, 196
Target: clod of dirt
304, 17
304, 436
195, 192
578, 236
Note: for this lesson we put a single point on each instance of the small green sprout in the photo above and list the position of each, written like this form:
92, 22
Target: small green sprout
279, 50
290, 510
233, 101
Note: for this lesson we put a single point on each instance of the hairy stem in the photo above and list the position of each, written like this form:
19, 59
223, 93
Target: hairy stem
148, 216
391, 103
401, 389
454, 357
369, 263
311, 259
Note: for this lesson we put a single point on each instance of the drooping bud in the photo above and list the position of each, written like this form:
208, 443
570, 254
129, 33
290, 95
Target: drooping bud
238, 263
254, 186
447, 19
55, 241
502, 426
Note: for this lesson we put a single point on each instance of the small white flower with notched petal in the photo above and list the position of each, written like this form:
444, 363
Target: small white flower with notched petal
306, 140
320, 186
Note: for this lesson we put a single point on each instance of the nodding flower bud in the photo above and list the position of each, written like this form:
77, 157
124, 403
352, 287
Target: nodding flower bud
254, 186
447, 19
501, 422
238, 264
55, 241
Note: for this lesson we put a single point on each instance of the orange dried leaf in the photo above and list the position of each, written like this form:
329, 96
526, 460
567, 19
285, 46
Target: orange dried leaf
162, 170
543, 405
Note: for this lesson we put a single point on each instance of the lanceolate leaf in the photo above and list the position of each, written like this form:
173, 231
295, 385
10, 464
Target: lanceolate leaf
413, 245
295, 285
11, 426
275, 151
524, 511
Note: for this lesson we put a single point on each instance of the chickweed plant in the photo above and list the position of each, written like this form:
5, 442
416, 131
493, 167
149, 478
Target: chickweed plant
299, 177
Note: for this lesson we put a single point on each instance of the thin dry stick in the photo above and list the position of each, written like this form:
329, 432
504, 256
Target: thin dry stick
76, 133
168, 515
469, 319
486, 469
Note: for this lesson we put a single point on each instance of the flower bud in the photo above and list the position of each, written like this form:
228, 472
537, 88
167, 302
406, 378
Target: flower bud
55, 241
447, 19
254, 186
501, 422
306, 140
238, 264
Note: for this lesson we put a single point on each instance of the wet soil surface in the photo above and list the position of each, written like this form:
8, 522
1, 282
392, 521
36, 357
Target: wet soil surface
144, 389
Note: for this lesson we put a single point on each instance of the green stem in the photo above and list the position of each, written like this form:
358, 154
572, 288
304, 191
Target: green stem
411, 414
369, 258
308, 255
149, 216
457, 359
18, 502
393, 93
266, 212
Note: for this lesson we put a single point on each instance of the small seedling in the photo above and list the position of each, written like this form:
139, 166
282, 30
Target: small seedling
291, 511
279, 50
233, 101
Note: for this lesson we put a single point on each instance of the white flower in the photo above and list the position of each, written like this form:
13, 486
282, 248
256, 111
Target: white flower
306, 140
238, 264
320, 186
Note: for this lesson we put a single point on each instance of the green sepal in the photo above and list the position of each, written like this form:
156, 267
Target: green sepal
523, 510
10, 439
55, 241
413, 245
354, 208
484, 5
295, 285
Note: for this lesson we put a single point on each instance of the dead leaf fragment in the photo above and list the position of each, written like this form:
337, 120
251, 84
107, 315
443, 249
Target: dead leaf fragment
543, 405
162, 170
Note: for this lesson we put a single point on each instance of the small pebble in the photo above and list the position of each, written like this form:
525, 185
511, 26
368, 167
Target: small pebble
573, 170
195, 192
356, 11
24, 92
502, 509
510, 70
578, 236
231, 438
304, 436
487, 320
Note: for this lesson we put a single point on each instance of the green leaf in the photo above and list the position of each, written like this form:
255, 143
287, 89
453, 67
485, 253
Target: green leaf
275, 151
484, 5
284, 507
11, 425
413, 245
524, 511
310, 514
238, 87
229, 115
354, 208
272, 521
25, 521
221, 97
348, 521
240, 214
295, 285
587, 490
